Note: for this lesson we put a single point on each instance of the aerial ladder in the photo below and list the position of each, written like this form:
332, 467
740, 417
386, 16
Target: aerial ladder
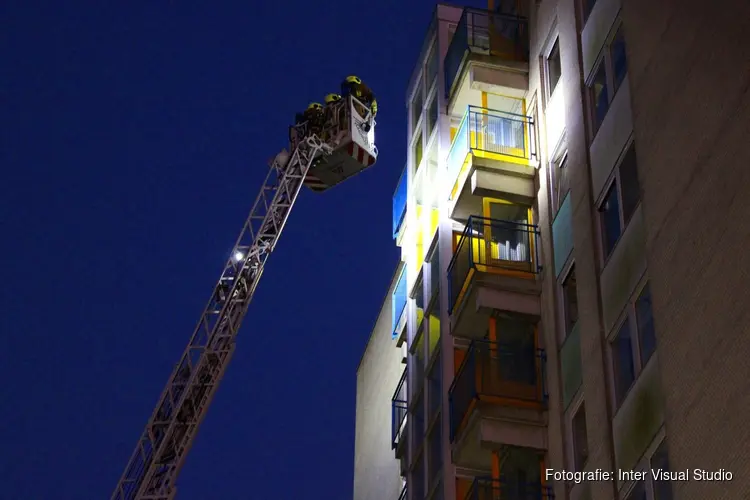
320, 156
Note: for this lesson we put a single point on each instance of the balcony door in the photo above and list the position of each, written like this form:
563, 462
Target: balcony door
513, 358
508, 235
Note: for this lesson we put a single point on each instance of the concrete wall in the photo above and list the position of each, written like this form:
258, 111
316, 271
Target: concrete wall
376, 470
689, 79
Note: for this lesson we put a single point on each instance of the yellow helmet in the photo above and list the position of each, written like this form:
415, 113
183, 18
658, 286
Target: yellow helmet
330, 98
314, 105
353, 79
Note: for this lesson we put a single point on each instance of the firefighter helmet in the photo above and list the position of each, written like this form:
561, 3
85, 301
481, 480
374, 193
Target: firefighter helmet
353, 79
315, 106
331, 98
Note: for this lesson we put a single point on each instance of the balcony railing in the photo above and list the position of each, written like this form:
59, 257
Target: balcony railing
399, 204
490, 244
484, 488
484, 32
398, 302
485, 130
399, 408
500, 371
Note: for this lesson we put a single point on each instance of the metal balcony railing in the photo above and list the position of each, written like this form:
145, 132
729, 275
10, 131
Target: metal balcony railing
491, 131
483, 32
492, 243
485, 488
399, 204
399, 408
510, 371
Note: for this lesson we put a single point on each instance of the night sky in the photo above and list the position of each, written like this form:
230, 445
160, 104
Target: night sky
135, 137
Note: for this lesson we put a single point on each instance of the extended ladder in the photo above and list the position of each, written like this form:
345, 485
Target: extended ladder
154, 465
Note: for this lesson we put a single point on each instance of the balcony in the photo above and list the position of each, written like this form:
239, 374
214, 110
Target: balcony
485, 488
496, 151
489, 48
495, 264
399, 206
399, 408
497, 398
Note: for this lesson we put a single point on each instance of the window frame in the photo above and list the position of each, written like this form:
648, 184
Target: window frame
554, 46
570, 444
564, 300
629, 314
644, 465
559, 159
584, 14
604, 59
615, 177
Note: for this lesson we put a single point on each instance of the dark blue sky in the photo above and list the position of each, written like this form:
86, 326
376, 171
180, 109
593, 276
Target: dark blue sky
135, 136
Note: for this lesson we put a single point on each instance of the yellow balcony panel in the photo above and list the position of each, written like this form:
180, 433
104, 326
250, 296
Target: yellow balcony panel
498, 398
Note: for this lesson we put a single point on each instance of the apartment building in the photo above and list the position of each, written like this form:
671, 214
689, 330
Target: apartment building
549, 193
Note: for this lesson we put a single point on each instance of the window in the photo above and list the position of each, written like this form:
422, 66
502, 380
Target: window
587, 6
660, 460
570, 301
633, 345
609, 214
432, 65
631, 190
416, 105
645, 321
554, 67
625, 193
580, 439
638, 492
619, 59
623, 363
608, 75
559, 183
432, 115
417, 151
599, 96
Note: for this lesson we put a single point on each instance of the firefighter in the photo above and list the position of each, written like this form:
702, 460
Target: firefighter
353, 86
332, 99
314, 115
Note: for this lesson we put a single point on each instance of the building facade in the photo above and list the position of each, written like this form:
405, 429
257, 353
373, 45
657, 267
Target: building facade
377, 473
536, 220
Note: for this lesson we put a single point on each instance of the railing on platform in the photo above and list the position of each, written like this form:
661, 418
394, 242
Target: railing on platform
484, 32
492, 243
509, 371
